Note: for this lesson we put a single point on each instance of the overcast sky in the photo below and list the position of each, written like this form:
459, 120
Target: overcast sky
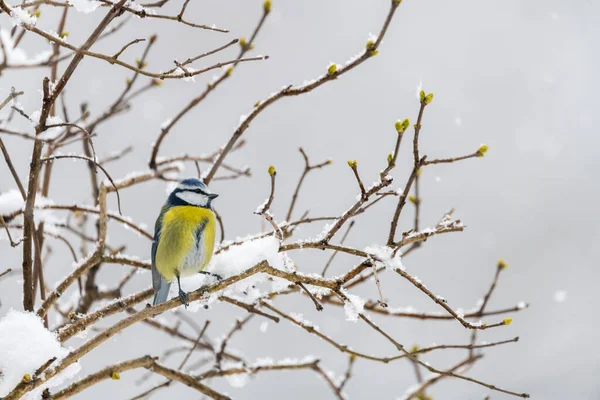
519, 76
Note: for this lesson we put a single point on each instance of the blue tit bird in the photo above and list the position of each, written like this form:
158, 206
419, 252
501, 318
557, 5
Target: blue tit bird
184, 237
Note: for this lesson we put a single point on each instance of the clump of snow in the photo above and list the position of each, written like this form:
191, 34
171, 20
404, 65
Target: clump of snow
51, 133
268, 361
18, 56
317, 291
300, 319
11, 202
56, 35
325, 231
384, 256
237, 380
21, 17
353, 307
238, 259
166, 123
521, 305
264, 326
261, 206
25, 346
85, 6
560, 296
189, 70
138, 7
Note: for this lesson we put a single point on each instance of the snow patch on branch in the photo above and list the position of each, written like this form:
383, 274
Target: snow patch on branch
236, 260
85, 6
18, 56
384, 256
50, 133
353, 307
25, 346
11, 202
21, 17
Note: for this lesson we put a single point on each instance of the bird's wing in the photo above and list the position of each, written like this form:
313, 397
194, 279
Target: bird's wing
156, 277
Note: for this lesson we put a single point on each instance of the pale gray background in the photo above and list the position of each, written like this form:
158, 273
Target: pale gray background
520, 75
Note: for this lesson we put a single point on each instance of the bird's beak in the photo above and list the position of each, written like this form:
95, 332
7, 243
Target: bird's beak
213, 196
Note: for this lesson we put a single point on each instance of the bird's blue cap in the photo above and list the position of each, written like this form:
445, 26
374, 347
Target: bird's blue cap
193, 182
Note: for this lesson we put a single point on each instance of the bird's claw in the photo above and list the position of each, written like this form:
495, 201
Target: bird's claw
184, 298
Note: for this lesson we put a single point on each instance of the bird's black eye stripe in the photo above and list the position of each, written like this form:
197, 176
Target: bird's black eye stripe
200, 191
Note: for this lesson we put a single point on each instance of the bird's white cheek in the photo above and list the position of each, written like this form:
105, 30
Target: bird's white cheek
196, 199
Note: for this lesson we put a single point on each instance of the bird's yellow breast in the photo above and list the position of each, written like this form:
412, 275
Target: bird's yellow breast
178, 250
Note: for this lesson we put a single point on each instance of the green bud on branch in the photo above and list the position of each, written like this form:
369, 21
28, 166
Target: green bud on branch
482, 150
401, 126
332, 69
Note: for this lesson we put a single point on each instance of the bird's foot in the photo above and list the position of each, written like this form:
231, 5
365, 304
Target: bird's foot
216, 276
184, 297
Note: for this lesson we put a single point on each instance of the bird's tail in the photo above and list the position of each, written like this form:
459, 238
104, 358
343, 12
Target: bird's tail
161, 295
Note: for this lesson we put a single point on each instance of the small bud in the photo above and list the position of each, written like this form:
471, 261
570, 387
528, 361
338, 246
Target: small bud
422, 95
401, 126
482, 150
413, 199
157, 82
272, 170
374, 53
428, 99
370, 44
419, 172
502, 264
484, 325
329, 162
140, 64
153, 38
353, 356
243, 43
229, 71
352, 163
390, 158
331, 69
507, 321
115, 376
257, 104
64, 35
415, 348
37, 14
398, 126
267, 6
26, 378
128, 81
398, 2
